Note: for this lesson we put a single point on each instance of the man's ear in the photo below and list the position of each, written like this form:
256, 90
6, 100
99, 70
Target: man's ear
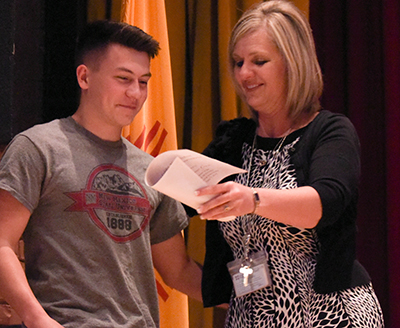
82, 76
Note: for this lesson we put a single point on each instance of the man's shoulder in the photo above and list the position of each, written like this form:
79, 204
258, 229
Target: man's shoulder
43, 130
51, 135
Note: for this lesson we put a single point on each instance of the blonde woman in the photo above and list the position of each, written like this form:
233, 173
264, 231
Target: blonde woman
287, 259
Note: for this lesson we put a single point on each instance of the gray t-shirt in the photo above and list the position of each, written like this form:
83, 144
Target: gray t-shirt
88, 241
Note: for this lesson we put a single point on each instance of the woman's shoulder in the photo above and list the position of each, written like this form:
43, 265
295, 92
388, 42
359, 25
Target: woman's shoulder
229, 137
327, 122
327, 126
327, 117
231, 127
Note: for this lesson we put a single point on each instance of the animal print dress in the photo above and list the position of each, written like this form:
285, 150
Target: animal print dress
291, 302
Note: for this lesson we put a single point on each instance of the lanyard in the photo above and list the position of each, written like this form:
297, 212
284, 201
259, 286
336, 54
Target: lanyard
248, 222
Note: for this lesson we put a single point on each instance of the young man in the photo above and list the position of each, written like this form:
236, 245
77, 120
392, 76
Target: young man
75, 190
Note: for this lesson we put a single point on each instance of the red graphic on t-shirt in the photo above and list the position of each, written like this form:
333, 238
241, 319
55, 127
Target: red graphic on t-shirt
115, 201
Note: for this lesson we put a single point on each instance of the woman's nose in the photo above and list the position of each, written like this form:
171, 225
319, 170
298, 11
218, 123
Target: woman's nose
245, 71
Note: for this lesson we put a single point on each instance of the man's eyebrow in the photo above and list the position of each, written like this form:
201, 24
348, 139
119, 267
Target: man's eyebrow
124, 69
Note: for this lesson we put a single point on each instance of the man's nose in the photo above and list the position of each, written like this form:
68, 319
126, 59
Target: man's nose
133, 90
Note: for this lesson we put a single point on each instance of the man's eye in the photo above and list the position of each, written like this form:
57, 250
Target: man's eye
122, 78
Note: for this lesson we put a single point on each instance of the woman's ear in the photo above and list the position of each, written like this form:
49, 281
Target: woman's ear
82, 76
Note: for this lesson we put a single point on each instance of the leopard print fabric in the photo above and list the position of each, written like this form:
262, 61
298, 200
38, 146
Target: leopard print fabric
291, 300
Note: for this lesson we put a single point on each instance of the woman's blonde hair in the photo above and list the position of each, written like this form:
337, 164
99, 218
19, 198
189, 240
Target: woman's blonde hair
290, 31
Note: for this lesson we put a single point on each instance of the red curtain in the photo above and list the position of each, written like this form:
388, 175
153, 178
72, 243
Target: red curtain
391, 42
358, 44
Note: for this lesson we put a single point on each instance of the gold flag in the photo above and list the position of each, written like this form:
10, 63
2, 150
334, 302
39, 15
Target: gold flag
154, 129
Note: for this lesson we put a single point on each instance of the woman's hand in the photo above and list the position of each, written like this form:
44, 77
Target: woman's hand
231, 199
300, 207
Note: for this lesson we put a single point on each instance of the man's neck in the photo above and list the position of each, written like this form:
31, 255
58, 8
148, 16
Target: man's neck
105, 132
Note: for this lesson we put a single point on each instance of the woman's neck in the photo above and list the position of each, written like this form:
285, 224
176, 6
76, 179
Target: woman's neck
278, 128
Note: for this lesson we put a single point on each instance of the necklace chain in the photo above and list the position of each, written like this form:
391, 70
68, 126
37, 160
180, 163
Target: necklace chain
278, 146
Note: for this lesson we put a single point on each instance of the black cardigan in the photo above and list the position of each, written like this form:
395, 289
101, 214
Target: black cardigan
326, 158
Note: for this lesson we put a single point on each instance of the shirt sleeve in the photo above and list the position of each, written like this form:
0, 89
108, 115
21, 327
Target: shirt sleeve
335, 168
169, 219
22, 170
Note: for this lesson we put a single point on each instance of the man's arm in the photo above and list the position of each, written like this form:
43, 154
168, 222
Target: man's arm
176, 268
14, 286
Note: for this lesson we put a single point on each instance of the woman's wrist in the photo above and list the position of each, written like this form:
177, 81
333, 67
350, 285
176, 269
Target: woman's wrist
256, 199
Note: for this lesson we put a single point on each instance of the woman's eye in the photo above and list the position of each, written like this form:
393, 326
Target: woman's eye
239, 63
260, 62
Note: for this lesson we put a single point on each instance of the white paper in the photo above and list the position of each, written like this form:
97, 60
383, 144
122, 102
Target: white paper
179, 173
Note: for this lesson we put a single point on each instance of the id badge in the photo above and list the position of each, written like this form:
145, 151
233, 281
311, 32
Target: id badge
252, 277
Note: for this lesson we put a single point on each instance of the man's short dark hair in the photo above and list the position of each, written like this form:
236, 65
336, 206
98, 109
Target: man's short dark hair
98, 35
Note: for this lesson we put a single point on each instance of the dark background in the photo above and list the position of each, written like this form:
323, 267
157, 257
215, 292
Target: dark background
37, 76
